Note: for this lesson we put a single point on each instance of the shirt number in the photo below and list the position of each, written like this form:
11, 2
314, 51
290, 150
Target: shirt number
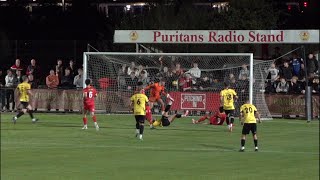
89, 95
138, 102
248, 110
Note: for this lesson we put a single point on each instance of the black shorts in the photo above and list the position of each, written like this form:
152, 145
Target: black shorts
23, 105
165, 121
140, 118
229, 113
247, 127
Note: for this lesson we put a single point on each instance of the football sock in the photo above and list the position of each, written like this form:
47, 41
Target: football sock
232, 120
141, 129
30, 113
137, 126
243, 142
202, 118
94, 118
227, 121
20, 114
178, 115
255, 142
84, 121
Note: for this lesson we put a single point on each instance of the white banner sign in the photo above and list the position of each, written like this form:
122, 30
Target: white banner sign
217, 36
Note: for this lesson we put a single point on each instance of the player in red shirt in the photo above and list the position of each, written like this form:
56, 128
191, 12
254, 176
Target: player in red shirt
217, 119
89, 93
156, 90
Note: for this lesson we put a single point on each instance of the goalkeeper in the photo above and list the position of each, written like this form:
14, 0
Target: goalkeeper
166, 120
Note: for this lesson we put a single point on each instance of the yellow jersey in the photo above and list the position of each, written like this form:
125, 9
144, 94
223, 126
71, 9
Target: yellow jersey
228, 95
248, 111
139, 103
23, 90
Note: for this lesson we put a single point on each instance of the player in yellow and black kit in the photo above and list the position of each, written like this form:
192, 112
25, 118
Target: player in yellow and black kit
139, 102
227, 97
248, 120
23, 91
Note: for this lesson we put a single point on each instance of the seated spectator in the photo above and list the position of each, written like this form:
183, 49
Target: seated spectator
286, 71
10, 81
67, 80
78, 79
294, 86
283, 86
185, 82
244, 71
16, 66
18, 77
32, 82
315, 86
131, 81
52, 80
195, 73
205, 84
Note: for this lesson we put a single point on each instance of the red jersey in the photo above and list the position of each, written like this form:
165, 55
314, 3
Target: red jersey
156, 89
89, 93
14, 67
218, 117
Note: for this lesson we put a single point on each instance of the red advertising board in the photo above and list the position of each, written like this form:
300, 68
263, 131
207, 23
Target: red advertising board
205, 101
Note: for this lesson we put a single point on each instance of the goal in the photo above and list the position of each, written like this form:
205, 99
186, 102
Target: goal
115, 75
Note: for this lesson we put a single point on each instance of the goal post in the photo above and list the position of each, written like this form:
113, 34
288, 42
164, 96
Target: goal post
110, 73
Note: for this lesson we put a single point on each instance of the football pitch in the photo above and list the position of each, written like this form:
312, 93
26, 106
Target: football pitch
57, 148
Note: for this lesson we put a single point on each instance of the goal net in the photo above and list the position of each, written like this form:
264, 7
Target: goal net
115, 75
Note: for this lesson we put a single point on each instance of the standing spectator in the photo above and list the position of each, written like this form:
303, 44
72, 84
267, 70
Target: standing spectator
286, 71
78, 79
131, 68
72, 68
185, 82
144, 78
178, 71
67, 80
10, 80
2, 90
18, 77
59, 69
272, 73
296, 63
244, 71
32, 82
312, 64
294, 86
195, 73
16, 66
283, 86
52, 80
33, 69
131, 81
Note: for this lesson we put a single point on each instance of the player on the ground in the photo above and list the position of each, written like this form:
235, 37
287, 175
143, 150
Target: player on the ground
248, 113
227, 98
217, 119
89, 93
24, 93
166, 120
138, 103
156, 90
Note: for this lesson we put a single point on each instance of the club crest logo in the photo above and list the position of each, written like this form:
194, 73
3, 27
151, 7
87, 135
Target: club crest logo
304, 35
133, 35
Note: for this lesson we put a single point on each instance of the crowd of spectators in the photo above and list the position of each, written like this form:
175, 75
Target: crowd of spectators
60, 77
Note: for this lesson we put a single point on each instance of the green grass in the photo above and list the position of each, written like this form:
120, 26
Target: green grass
57, 148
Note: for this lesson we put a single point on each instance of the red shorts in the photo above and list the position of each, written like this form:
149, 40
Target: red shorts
154, 98
214, 121
89, 107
